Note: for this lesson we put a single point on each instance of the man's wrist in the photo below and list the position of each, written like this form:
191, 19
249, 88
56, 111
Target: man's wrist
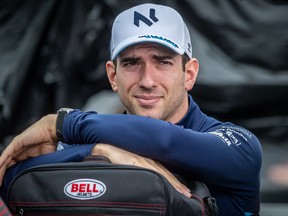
51, 119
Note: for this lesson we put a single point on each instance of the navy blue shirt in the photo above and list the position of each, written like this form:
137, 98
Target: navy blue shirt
225, 156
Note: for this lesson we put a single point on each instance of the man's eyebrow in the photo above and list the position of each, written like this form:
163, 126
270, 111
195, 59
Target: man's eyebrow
162, 57
136, 59
130, 59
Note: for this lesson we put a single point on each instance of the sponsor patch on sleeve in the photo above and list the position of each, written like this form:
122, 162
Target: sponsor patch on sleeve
232, 135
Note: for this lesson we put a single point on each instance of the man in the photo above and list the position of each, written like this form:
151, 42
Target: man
152, 70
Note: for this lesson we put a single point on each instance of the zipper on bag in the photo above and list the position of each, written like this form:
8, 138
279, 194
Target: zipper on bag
87, 211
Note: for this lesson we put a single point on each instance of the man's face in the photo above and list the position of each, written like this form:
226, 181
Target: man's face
150, 81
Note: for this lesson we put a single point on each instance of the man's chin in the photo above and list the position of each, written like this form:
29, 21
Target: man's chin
148, 113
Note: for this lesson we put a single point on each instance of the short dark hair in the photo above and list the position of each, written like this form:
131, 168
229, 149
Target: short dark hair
185, 59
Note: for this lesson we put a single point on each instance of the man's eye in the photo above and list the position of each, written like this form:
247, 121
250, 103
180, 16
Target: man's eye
165, 63
131, 64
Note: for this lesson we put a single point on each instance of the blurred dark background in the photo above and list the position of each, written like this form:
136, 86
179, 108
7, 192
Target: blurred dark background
53, 52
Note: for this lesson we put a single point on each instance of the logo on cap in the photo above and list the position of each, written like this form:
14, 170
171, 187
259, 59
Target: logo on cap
159, 38
147, 21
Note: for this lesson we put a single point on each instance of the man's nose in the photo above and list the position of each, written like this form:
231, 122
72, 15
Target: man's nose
147, 77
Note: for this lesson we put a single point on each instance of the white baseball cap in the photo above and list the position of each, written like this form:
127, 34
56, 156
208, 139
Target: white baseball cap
150, 23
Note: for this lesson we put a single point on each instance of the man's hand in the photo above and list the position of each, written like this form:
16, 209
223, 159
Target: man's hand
120, 156
38, 139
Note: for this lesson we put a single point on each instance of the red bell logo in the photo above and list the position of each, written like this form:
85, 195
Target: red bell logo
84, 189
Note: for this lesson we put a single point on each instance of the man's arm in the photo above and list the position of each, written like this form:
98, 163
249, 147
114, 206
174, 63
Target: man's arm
120, 156
199, 154
40, 138
205, 155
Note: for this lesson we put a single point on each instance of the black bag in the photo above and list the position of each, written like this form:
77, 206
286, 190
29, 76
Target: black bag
97, 187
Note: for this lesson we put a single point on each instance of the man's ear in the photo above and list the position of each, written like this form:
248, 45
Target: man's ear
191, 72
111, 74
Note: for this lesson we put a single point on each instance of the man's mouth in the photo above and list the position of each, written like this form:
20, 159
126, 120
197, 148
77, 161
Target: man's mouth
145, 100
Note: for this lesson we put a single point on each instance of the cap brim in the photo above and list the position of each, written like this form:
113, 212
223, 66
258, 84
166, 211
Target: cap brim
136, 40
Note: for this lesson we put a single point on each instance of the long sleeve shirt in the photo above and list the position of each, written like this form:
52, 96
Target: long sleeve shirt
225, 156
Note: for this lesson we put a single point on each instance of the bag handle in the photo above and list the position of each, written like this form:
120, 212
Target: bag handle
97, 158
